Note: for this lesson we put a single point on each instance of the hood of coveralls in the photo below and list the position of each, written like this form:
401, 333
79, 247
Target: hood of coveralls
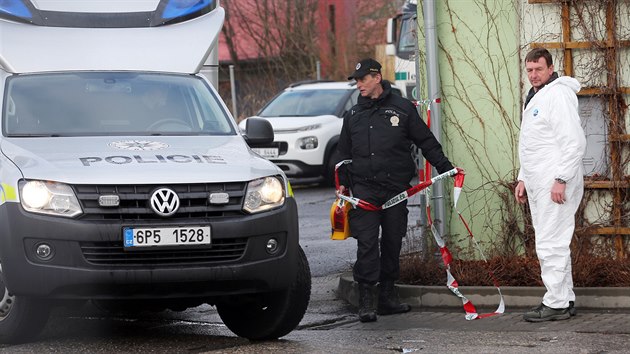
568, 81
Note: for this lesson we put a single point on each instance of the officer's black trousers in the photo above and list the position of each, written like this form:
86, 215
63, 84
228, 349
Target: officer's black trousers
377, 260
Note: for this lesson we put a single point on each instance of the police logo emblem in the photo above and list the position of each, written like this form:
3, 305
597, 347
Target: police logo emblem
395, 120
138, 145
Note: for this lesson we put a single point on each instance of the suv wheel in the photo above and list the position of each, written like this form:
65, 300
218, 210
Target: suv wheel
21, 318
271, 315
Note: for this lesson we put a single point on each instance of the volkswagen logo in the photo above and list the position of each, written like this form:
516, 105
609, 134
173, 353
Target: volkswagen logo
164, 202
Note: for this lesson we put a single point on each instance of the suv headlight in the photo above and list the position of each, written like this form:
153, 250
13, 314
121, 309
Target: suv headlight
49, 198
264, 194
308, 143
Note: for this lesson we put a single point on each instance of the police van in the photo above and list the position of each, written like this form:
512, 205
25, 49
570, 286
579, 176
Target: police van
124, 180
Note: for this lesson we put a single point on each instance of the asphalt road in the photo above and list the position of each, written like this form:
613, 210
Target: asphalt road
324, 255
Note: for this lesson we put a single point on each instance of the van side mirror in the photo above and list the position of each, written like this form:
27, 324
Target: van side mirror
258, 132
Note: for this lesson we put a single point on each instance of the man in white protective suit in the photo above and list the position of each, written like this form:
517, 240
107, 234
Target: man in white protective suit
551, 147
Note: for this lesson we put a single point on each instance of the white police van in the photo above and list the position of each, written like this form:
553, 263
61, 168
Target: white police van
124, 179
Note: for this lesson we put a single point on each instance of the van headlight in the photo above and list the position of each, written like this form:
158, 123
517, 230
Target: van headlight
49, 198
264, 194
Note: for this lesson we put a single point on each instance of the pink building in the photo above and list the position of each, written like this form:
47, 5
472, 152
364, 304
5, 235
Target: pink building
273, 43
346, 30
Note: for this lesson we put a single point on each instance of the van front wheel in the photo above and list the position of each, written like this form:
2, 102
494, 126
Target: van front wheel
272, 315
21, 318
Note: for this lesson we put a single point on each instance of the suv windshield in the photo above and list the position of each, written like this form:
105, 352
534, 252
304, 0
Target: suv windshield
111, 103
304, 103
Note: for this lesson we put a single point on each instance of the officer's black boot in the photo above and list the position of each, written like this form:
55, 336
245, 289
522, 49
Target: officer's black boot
388, 302
366, 303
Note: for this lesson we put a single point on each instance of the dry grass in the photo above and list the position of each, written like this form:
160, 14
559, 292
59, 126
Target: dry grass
512, 271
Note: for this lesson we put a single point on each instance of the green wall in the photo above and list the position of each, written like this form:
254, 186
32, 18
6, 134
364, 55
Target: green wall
480, 78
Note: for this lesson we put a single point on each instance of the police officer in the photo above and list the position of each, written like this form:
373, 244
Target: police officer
377, 135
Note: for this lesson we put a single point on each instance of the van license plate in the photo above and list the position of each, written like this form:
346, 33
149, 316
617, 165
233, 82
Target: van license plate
166, 236
268, 153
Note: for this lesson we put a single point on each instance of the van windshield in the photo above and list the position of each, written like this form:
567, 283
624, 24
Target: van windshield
111, 103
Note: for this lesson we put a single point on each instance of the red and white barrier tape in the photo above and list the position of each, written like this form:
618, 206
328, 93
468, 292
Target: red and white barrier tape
447, 258
451, 282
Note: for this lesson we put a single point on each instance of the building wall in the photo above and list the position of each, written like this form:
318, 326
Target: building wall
590, 60
480, 110
481, 58
336, 23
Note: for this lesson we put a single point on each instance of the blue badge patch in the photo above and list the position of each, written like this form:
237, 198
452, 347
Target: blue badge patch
535, 112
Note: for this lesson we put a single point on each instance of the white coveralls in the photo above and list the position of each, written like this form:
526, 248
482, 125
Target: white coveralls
551, 145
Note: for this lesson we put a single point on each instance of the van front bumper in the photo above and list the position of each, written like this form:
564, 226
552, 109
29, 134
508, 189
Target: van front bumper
237, 262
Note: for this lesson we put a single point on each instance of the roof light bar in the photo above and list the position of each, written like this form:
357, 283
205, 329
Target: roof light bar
15, 8
183, 8
167, 12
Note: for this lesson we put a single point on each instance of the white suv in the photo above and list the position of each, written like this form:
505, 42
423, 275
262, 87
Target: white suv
306, 119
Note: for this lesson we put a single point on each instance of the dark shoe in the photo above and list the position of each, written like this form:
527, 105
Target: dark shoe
572, 310
546, 313
388, 302
366, 303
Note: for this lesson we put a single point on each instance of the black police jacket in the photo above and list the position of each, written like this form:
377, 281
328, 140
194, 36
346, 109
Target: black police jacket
377, 136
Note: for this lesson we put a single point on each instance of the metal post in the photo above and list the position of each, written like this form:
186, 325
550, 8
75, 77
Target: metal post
433, 85
319, 70
422, 222
233, 85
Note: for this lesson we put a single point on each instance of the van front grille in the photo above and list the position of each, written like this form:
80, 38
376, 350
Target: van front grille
134, 201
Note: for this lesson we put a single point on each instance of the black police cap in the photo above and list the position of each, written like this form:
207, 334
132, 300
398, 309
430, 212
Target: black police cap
364, 67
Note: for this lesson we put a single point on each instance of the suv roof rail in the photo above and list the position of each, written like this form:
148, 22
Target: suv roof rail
299, 83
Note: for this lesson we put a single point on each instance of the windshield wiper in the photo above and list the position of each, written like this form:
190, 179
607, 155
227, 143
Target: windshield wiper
33, 135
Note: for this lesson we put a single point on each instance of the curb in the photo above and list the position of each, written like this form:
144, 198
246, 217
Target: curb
488, 297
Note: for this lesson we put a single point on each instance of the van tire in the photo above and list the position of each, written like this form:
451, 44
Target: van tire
271, 315
21, 318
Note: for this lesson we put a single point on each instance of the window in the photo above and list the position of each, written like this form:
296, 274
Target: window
407, 39
111, 103
304, 103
